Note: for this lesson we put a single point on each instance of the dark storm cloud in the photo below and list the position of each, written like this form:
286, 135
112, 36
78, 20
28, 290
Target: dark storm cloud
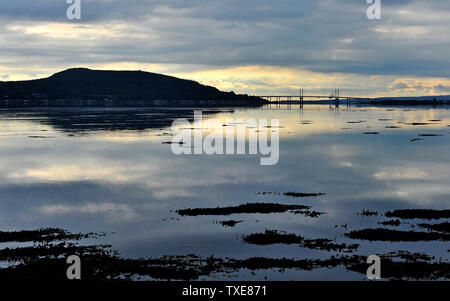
326, 36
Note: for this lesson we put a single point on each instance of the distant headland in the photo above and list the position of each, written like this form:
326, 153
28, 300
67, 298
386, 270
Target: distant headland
80, 87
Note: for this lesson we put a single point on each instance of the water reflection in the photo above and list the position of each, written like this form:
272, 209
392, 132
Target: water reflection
109, 171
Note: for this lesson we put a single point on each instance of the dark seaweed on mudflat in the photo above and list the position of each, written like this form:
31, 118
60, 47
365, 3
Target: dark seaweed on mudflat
442, 227
395, 223
230, 223
381, 234
419, 213
430, 135
413, 266
310, 213
244, 208
40, 235
270, 237
102, 265
48, 261
365, 212
51, 251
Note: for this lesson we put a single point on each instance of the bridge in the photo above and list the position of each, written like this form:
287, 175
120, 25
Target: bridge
300, 98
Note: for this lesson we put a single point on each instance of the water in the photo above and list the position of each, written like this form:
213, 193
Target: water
100, 170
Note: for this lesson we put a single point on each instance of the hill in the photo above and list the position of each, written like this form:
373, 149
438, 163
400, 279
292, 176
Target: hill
81, 85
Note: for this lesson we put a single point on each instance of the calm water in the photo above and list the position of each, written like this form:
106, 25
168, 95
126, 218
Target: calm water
98, 170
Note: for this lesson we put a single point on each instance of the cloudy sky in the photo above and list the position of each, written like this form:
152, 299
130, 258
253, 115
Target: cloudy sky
248, 46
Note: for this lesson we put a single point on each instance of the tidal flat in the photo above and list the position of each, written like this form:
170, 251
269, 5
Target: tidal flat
107, 187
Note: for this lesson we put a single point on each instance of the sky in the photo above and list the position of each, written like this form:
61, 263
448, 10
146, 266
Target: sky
257, 47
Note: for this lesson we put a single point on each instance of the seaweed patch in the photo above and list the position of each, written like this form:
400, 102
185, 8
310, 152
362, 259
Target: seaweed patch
275, 237
244, 208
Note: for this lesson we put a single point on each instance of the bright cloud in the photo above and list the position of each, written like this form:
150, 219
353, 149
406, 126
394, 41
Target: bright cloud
246, 46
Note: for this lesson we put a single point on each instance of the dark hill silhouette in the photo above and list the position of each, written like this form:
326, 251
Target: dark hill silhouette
116, 86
